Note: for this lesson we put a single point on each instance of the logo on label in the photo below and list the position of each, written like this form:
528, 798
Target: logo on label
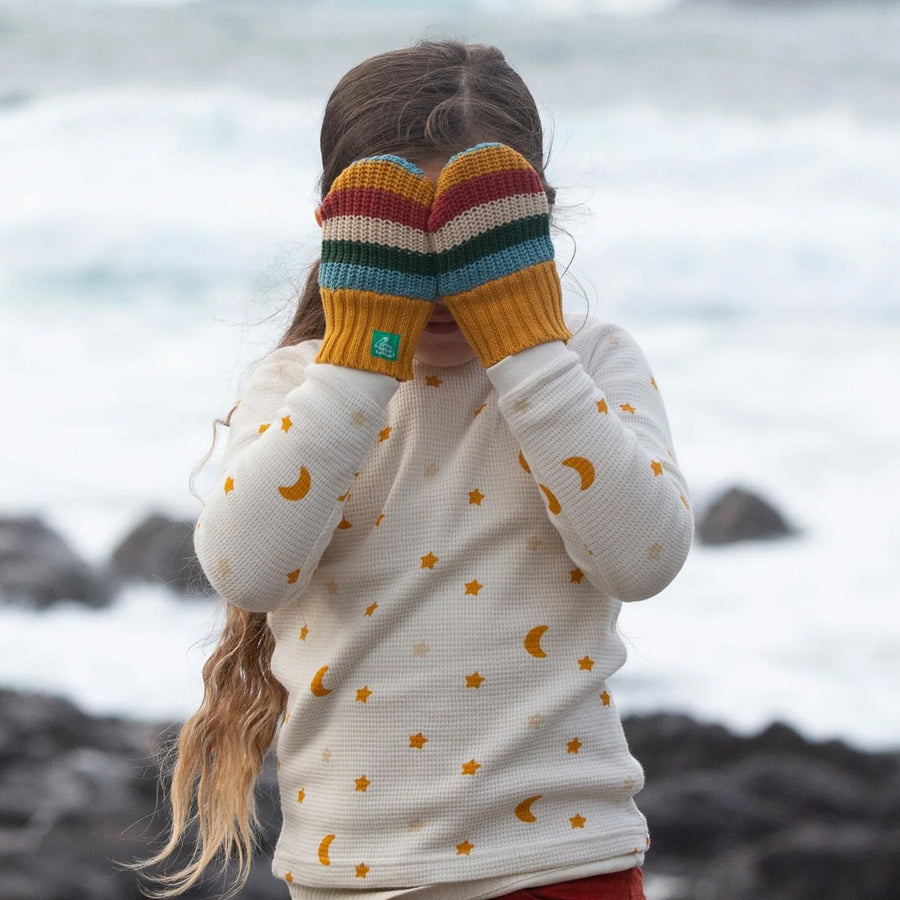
385, 345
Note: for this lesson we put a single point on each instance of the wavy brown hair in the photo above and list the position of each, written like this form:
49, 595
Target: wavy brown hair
424, 102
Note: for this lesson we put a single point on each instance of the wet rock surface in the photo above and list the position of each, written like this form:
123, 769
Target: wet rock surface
39, 569
738, 514
743, 818
78, 798
160, 549
767, 816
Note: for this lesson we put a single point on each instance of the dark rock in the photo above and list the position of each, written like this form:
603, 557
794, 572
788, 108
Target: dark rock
803, 788
38, 568
771, 815
808, 863
740, 515
161, 550
78, 798
69, 786
704, 813
670, 744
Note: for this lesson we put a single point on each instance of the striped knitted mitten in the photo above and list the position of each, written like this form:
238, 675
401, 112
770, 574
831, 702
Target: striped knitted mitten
377, 273
495, 270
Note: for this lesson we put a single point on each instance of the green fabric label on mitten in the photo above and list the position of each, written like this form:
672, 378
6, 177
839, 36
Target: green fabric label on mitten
385, 345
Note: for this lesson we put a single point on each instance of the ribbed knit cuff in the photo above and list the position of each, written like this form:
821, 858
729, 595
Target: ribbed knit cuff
372, 332
512, 313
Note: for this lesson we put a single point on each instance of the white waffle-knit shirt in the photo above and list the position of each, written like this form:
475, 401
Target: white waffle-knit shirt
443, 562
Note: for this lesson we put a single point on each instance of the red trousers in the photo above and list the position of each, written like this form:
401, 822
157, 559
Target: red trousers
627, 885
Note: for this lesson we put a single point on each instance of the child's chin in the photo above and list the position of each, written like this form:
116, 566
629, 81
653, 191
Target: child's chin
442, 327
443, 348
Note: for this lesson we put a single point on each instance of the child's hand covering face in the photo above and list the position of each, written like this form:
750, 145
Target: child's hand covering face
490, 227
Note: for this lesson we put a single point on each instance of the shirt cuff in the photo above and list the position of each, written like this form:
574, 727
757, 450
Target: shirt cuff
376, 387
514, 370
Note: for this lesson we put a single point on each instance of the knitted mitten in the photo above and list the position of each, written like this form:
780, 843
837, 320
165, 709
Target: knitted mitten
495, 271
377, 271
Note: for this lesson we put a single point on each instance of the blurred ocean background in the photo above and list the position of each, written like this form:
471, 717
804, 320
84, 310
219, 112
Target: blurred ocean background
729, 192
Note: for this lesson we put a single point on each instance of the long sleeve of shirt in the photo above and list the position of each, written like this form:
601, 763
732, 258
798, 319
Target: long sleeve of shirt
596, 438
298, 437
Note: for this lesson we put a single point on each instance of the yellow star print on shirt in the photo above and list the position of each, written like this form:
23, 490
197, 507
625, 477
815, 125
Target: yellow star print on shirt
474, 680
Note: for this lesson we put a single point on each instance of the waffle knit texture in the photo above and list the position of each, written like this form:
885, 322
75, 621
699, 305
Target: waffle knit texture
376, 276
443, 562
495, 271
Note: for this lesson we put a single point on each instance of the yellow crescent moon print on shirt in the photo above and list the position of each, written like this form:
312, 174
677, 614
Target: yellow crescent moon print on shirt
316, 685
552, 502
584, 467
299, 489
532, 641
523, 810
323, 849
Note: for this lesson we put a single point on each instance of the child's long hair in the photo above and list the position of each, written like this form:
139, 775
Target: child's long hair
424, 102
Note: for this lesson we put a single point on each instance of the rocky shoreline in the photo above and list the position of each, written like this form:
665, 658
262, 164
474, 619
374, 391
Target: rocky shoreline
733, 818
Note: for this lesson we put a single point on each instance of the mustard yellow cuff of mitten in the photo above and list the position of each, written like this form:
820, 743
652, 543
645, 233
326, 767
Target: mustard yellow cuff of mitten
377, 275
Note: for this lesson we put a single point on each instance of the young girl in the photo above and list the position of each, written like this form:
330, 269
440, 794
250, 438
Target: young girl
433, 500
